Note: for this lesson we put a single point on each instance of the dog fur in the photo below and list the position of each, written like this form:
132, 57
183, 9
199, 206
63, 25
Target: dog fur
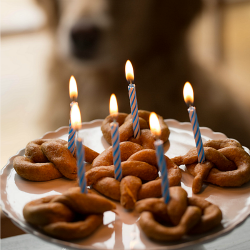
152, 34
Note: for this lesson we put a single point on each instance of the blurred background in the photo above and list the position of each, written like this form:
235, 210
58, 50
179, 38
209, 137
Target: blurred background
217, 40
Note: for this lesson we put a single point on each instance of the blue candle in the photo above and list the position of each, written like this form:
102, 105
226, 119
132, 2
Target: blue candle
113, 107
189, 99
132, 97
116, 150
81, 166
76, 124
71, 136
156, 130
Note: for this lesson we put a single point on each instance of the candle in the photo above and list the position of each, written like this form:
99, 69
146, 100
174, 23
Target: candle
132, 97
76, 124
113, 109
156, 131
188, 94
73, 96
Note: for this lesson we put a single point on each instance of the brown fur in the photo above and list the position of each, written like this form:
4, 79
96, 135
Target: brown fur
152, 34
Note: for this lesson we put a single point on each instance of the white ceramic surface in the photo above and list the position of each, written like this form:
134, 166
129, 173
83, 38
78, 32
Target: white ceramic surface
121, 231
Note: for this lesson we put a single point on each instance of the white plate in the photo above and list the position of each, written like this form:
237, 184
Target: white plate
122, 231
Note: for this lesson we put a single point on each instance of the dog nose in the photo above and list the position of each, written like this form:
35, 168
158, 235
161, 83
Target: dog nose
84, 39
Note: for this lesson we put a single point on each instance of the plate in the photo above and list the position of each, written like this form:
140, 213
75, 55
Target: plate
121, 230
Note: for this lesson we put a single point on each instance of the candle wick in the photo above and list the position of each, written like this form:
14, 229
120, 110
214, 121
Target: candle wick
73, 99
189, 104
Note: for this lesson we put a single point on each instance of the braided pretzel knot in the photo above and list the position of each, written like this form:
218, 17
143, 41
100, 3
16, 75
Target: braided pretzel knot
69, 216
227, 164
139, 171
46, 159
184, 215
146, 138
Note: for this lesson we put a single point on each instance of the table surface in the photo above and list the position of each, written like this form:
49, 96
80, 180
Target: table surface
238, 238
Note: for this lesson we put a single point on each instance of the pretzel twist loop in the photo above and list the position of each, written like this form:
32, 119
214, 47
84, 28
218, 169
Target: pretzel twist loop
179, 217
72, 215
46, 159
227, 164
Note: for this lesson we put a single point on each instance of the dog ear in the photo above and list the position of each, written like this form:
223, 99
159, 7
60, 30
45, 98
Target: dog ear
52, 11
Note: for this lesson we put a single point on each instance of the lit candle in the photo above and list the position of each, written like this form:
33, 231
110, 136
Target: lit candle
132, 97
188, 94
113, 109
73, 96
75, 117
156, 131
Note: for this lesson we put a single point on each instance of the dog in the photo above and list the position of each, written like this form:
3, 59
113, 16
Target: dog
92, 40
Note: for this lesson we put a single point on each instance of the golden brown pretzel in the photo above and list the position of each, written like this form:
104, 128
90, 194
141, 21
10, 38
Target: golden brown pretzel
69, 216
139, 164
227, 164
59, 161
187, 215
126, 129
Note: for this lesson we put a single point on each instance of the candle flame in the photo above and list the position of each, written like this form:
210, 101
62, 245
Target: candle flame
113, 107
75, 116
188, 94
129, 71
154, 124
73, 93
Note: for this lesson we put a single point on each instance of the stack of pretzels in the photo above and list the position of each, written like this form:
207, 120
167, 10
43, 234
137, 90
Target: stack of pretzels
140, 174
74, 215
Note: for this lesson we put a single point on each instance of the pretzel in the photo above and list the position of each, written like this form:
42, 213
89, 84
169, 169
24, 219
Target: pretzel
137, 166
72, 215
146, 139
227, 164
56, 161
181, 216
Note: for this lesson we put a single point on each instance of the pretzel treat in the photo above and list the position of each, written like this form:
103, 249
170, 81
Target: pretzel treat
46, 159
146, 139
179, 217
69, 216
227, 164
139, 171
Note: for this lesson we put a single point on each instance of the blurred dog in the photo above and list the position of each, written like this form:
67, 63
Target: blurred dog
94, 38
